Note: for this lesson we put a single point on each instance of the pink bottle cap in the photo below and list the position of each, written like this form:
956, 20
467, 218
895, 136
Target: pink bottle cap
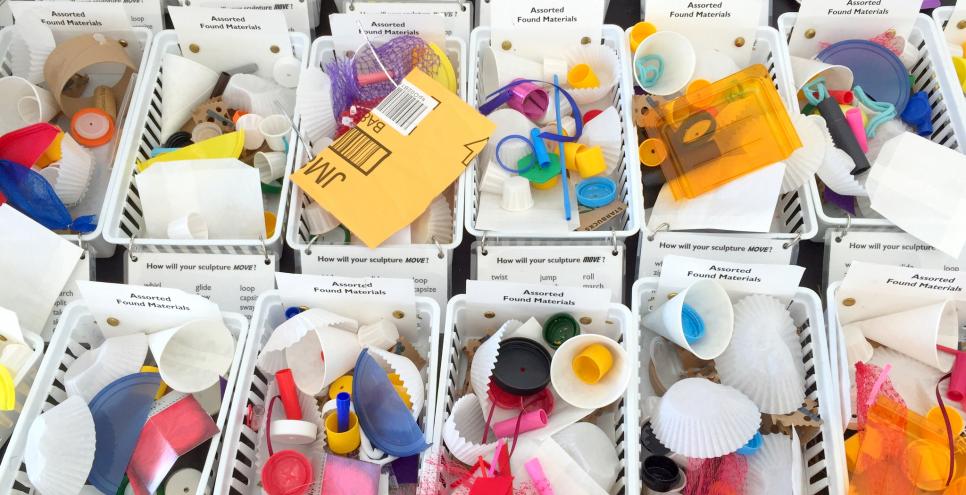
529, 99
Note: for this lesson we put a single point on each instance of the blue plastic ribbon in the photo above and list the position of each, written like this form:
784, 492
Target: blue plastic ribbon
500, 160
546, 135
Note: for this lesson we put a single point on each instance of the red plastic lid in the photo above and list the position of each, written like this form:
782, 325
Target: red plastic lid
92, 127
287, 473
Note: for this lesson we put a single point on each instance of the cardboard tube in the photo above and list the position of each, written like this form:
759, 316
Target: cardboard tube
77, 54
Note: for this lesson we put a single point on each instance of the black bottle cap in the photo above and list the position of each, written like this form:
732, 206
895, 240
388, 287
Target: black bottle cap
660, 473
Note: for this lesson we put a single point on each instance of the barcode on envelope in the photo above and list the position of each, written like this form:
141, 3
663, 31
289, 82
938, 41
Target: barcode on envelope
405, 107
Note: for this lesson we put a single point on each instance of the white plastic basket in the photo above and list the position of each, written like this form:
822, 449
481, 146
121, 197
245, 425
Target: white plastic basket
298, 237
104, 187
238, 473
824, 456
76, 333
22, 383
931, 73
840, 360
629, 182
124, 217
460, 325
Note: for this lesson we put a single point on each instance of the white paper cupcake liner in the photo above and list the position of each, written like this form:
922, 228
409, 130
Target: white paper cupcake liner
97, 368
685, 424
31, 45
484, 360
764, 358
75, 171
313, 101
603, 61
605, 131
508, 121
568, 123
494, 176
836, 173
272, 357
435, 224
244, 91
770, 468
550, 117
805, 161
408, 375
60, 448
463, 430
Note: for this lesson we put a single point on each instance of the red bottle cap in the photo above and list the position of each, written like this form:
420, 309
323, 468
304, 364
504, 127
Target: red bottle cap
287, 473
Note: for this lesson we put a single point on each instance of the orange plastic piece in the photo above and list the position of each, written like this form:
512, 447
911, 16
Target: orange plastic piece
640, 32
52, 154
652, 152
719, 132
92, 127
237, 115
270, 220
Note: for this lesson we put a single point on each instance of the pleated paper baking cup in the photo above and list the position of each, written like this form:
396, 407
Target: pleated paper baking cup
97, 368
193, 356
31, 45
603, 61
484, 361
291, 331
494, 176
60, 448
508, 122
75, 171
805, 161
498, 68
764, 359
463, 430
604, 130
408, 374
685, 424
836, 173
313, 101
568, 123
254, 94
857, 347
770, 468
435, 225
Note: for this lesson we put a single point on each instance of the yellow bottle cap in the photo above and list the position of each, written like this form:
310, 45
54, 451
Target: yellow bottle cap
592, 363
344, 442
570, 154
640, 32
270, 219
341, 384
581, 76
590, 161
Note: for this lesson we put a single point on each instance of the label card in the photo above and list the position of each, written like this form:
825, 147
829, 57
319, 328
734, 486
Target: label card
348, 36
591, 267
739, 279
532, 25
711, 25
125, 309
232, 281
838, 20
70, 293
889, 248
518, 301
66, 19
296, 12
366, 300
457, 16
230, 38
428, 271
709, 246
869, 290
954, 34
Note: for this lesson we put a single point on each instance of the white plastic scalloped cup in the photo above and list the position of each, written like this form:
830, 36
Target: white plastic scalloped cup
764, 360
435, 224
97, 368
484, 361
578, 393
805, 161
250, 123
464, 428
311, 371
291, 331
313, 102
686, 424
770, 468
408, 374
712, 304
679, 60
517, 195
494, 176
193, 356
60, 445
603, 61
604, 130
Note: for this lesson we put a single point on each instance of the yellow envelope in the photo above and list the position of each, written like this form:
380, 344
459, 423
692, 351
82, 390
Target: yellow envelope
382, 174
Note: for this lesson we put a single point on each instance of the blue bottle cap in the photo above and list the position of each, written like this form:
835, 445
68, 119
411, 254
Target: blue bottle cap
692, 323
292, 311
596, 192
753, 445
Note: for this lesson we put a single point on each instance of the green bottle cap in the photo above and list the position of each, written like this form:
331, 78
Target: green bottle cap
558, 328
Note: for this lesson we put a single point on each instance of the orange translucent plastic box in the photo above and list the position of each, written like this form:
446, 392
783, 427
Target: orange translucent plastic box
718, 132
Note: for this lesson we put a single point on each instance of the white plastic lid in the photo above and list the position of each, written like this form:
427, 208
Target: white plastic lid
286, 71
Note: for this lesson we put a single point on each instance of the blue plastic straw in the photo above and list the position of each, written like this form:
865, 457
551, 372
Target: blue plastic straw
563, 166
342, 411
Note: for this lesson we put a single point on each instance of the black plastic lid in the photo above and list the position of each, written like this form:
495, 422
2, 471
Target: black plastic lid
522, 367
660, 473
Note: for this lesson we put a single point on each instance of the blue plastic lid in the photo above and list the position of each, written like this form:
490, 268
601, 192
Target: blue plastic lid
120, 411
596, 192
753, 445
692, 323
876, 69
383, 416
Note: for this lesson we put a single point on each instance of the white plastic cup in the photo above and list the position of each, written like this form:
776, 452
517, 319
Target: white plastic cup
190, 226
275, 129
270, 165
23, 103
253, 136
516, 194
